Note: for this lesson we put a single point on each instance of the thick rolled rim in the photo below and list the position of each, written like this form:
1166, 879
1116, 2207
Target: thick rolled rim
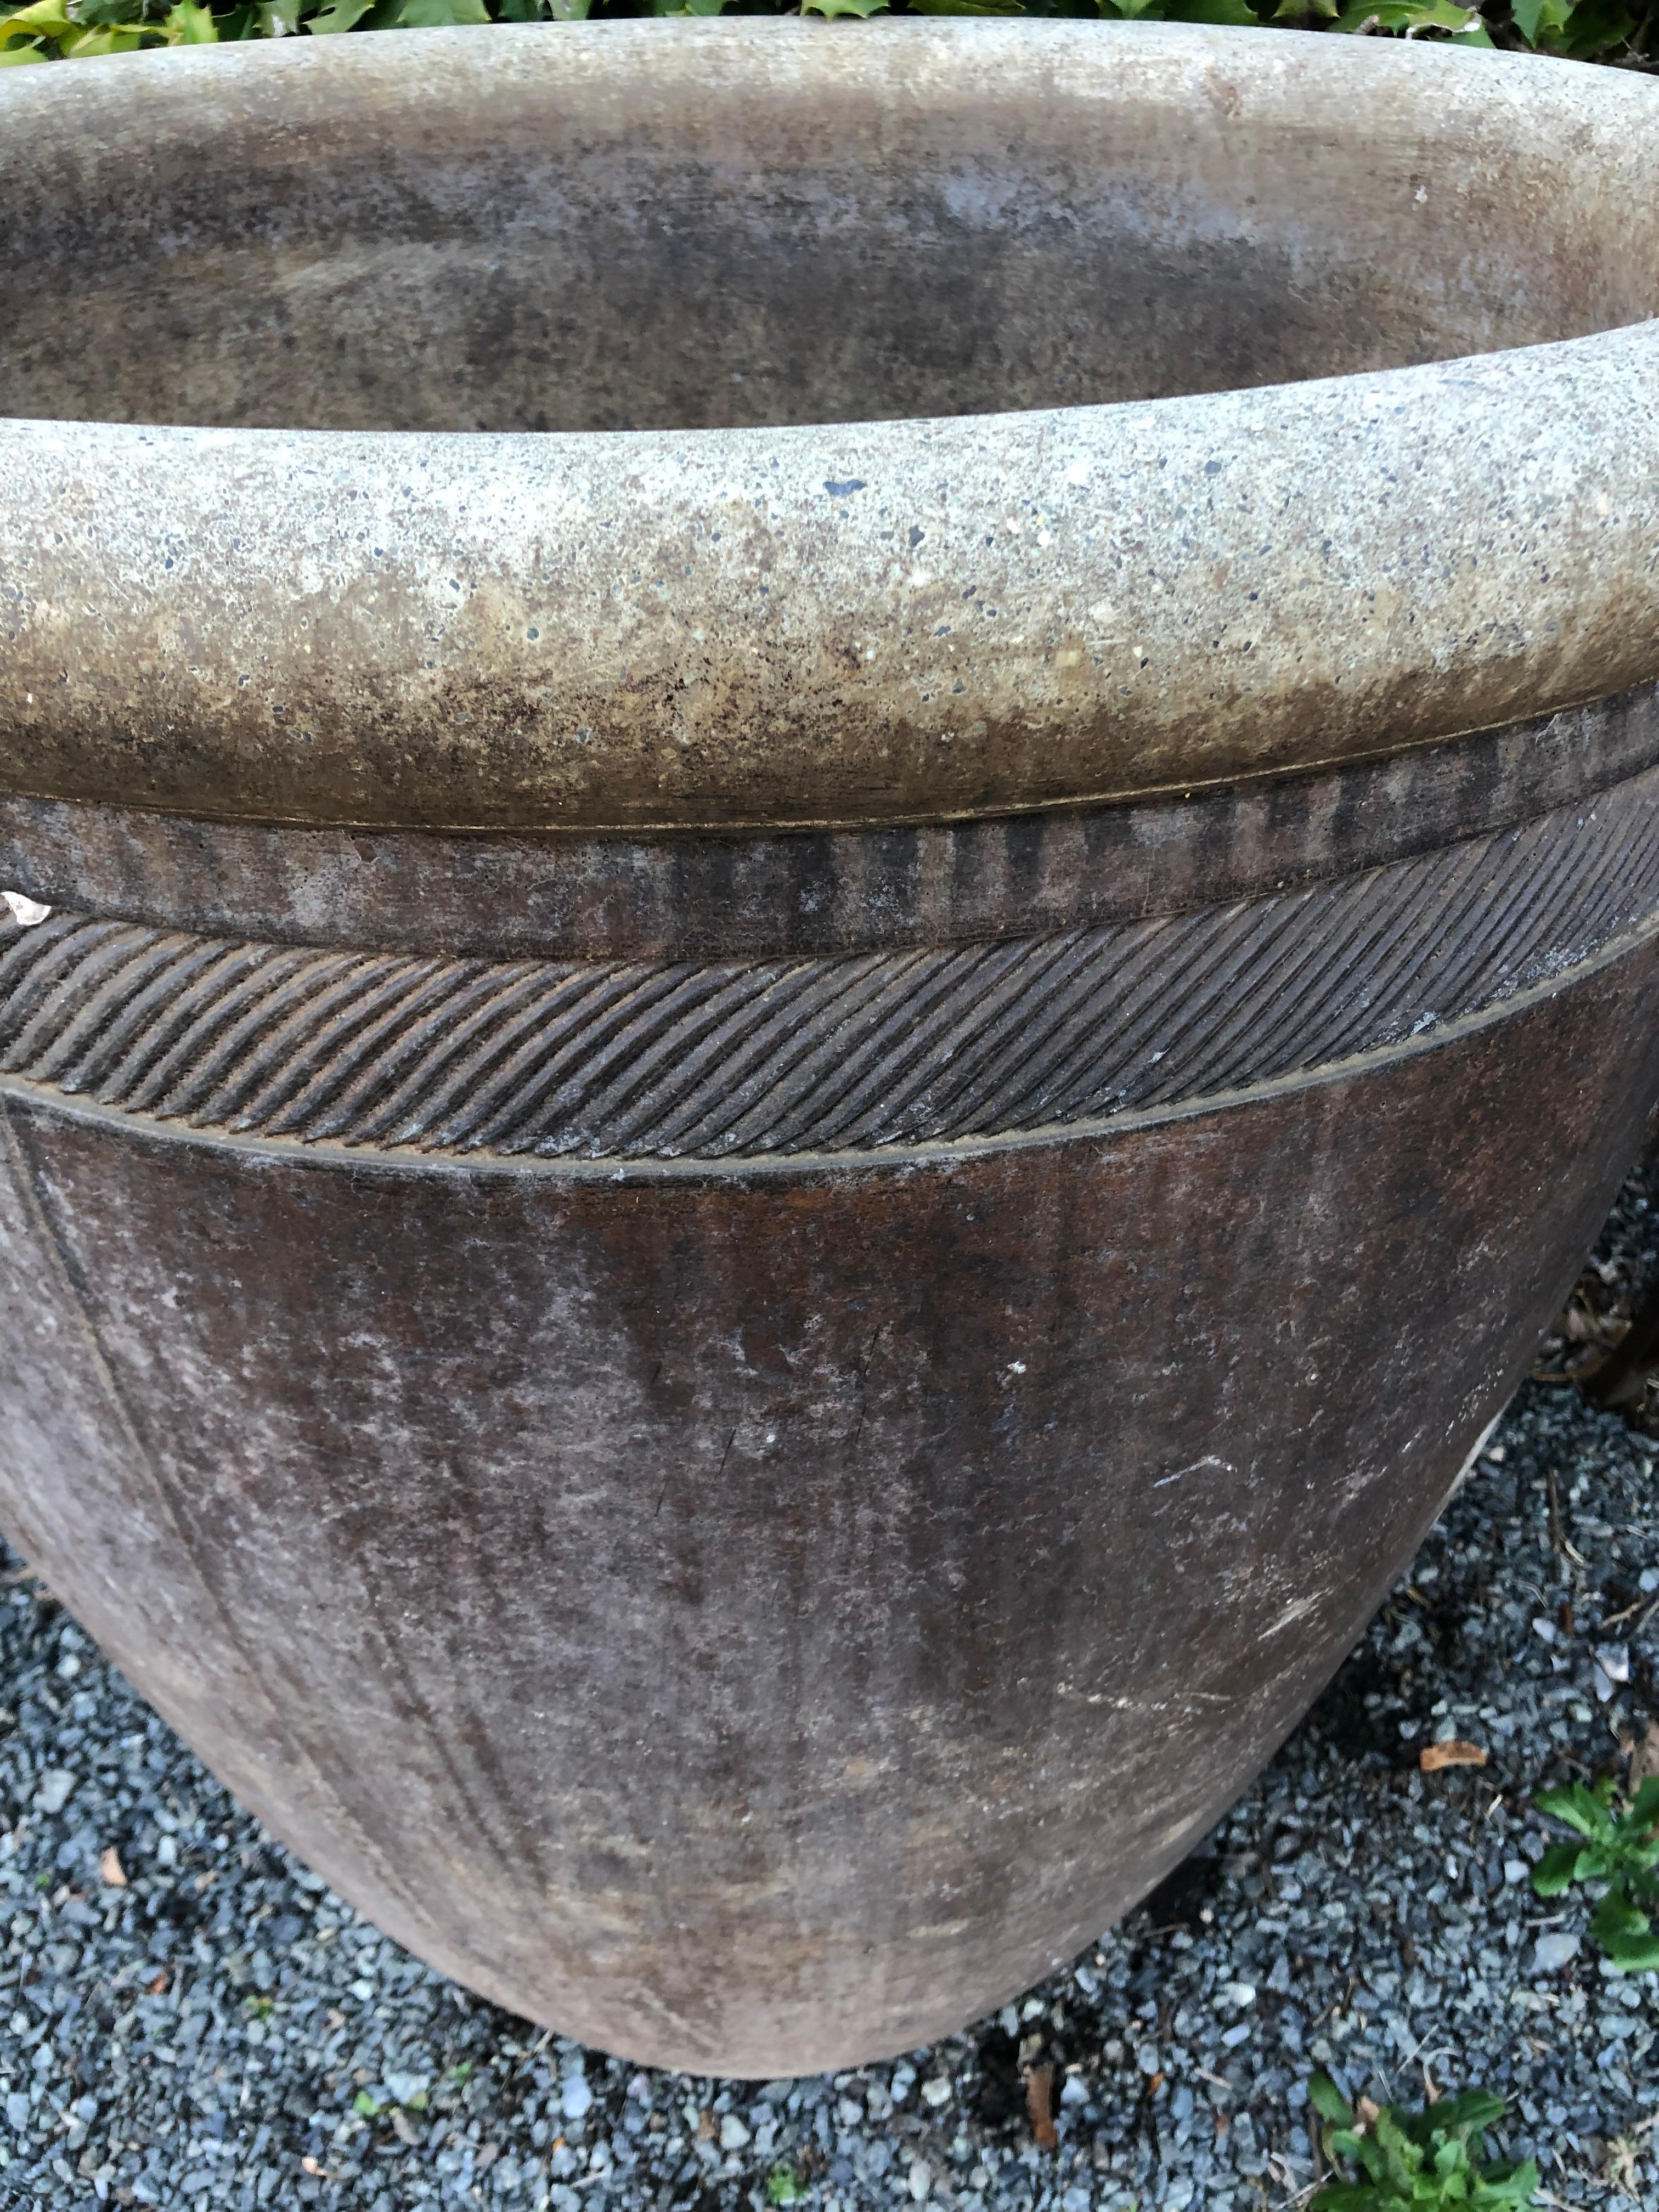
540, 631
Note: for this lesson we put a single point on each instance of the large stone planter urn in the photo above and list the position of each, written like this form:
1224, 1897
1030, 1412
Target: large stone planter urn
853, 883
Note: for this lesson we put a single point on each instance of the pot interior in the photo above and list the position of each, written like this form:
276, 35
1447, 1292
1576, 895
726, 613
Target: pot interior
611, 228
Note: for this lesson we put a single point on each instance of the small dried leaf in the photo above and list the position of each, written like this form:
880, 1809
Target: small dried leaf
158, 1987
1039, 2092
110, 1867
1434, 1756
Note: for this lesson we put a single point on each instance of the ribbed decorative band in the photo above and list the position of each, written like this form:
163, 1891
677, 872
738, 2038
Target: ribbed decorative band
711, 1058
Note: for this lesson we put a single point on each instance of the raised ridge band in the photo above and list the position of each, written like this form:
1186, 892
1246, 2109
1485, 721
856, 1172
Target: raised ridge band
711, 1060
716, 897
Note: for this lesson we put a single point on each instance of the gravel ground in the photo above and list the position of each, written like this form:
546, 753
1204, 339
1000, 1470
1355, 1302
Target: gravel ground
191, 2020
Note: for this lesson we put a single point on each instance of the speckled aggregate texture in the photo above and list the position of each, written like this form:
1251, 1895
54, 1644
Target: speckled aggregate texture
733, 615
222, 2032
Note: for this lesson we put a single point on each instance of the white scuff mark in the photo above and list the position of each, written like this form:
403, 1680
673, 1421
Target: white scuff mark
25, 912
1290, 1615
1463, 1471
1208, 1460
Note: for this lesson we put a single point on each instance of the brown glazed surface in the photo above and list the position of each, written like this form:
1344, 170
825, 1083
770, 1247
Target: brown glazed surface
713, 897
761, 1162
788, 1056
755, 1623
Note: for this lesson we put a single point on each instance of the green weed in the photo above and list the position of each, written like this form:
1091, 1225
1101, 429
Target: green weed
1416, 2162
1619, 1847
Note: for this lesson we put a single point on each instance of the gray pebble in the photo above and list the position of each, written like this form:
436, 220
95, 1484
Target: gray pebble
1551, 1953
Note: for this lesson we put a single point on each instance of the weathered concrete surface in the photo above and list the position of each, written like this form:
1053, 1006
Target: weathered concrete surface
717, 621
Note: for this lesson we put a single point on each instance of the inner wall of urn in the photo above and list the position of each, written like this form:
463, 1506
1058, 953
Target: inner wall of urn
566, 258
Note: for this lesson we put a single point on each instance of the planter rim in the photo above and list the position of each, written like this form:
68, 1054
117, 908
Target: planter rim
440, 630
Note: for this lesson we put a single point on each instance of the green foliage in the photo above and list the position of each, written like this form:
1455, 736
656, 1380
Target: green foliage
46, 30
340, 15
1181, 11
1580, 29
50, 30
782, 2187
1416, 2162
1617, 1844
1465, 25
